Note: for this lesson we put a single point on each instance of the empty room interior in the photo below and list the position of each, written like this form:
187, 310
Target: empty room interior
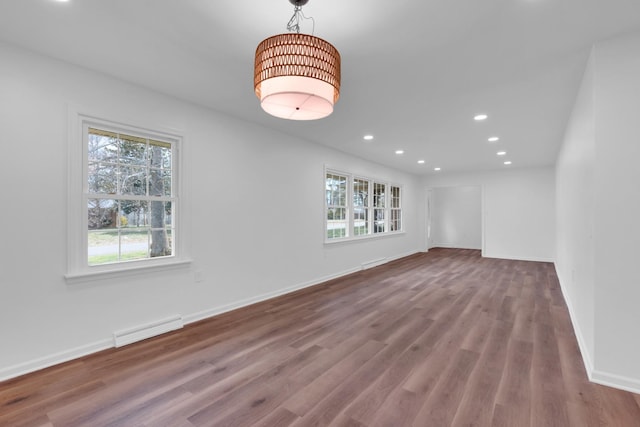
318, 212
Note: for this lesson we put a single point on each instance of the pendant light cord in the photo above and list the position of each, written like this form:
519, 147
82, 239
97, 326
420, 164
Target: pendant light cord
293, 25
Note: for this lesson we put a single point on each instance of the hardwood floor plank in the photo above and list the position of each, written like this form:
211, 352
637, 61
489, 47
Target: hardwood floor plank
364, 408
444, 338
548, 395
442, 404
347, 391
254, 396
514, 393
281, 417
617, 408
309, 395
476, 406
399, 409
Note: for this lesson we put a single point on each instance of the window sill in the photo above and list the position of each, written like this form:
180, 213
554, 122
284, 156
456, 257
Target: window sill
363, 238
128, 270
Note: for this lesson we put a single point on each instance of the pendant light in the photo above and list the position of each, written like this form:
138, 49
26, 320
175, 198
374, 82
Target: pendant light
297, 76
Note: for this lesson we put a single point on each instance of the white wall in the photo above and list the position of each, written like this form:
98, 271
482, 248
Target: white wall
598, 172
253, 204
575, 201
518, 210
617, 226
455, 217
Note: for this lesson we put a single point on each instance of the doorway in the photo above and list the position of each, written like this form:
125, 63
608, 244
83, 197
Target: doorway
454, 217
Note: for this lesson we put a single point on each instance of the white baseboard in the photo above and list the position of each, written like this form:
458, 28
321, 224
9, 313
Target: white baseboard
519, 258
582, 344
202, 315
135, 334
373, 263
54, 359
404, 255
615, 381
594, 375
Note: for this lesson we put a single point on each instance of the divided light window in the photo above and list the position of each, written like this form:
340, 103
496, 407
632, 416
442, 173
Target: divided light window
395, 218
336, 193
130, 200
379, 207
375, 207
361, 217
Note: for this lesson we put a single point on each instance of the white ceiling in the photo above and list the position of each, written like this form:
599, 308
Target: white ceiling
414, 73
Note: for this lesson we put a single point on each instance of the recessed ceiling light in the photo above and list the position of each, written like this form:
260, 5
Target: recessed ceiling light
508, 162
421, 162
501, 153
436, 169
367, 137
399, 151
480, 117
493, 139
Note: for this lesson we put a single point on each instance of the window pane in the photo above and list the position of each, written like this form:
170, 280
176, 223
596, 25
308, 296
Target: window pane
395, 223
135, 213
160, 243
160, 219
336, 214
360, 221
134, 244
378, 195
160, 154
103, 246
379, 224
168, 214
102, 178
159, 182
170, 233
336, 222
336, 189
102, 214
133, 180
102, 147
133, 150
360, 192
336, 229
395, 197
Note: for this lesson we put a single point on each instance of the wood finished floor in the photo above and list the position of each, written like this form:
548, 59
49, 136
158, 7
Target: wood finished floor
445, 338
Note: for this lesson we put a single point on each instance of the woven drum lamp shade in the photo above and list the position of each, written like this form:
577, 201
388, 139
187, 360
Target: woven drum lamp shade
297, 76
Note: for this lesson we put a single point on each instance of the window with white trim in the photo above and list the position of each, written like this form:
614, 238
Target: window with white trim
361, 209
395, 210
123, 199
375, 207
379, 195
336, 194
130, 201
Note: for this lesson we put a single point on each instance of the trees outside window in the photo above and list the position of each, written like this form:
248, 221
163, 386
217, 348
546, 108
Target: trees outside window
375, 207
130, 197
336, 202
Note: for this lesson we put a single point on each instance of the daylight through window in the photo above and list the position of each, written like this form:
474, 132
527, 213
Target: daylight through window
129, 197
359, 207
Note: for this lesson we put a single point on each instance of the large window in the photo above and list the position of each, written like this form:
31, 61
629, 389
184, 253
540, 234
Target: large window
374, 207
361, 221
379, 197
130, 201
395, 211
336, 191
123, 199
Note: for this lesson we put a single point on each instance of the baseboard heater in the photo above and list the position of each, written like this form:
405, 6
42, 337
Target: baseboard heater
142, 332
